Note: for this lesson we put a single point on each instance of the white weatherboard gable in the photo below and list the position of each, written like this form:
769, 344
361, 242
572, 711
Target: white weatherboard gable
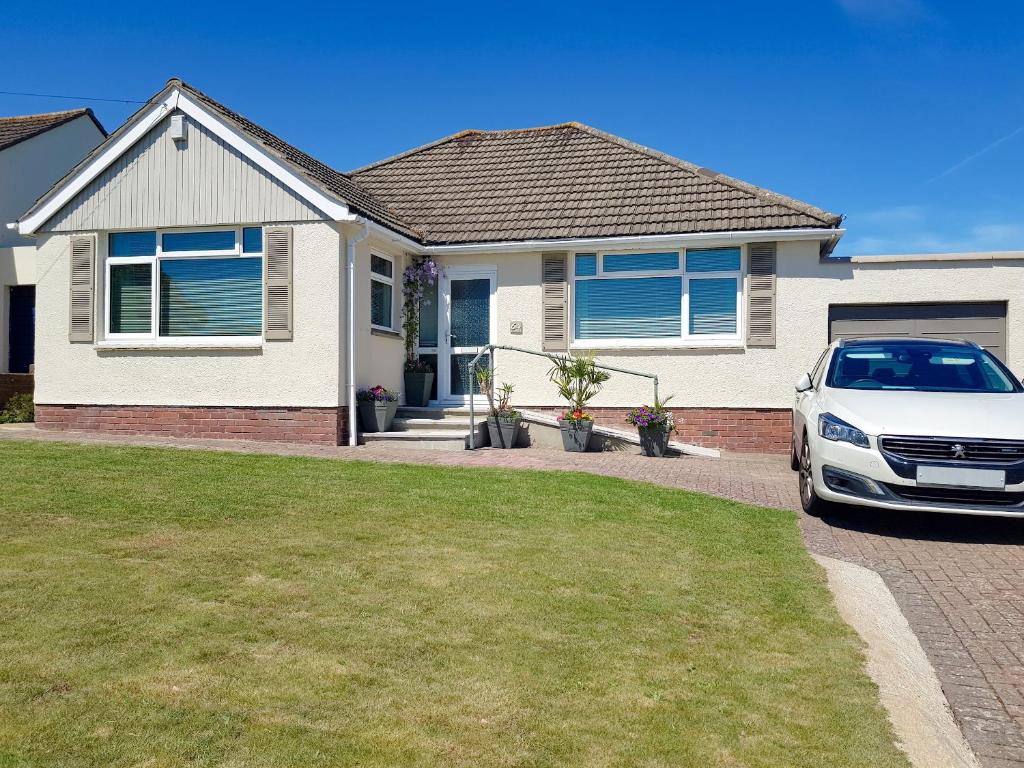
176, 99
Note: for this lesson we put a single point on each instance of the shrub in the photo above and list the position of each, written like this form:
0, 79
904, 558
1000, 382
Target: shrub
378, 394
19, 410
655, 417
578, 381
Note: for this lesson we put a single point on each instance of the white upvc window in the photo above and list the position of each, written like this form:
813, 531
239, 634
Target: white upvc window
690, 297
180, 286
382, 292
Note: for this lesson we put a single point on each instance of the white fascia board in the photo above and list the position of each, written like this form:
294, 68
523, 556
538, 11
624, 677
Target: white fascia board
919, 257
177, 100
640, 241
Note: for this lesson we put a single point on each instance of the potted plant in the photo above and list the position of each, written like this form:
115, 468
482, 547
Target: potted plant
377, 407
654, 424
578, 381
503, 420
419, 376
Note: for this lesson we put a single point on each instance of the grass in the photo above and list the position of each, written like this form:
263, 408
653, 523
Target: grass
172, 608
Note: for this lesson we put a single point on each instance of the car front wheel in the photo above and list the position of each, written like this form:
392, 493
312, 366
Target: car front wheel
809, 500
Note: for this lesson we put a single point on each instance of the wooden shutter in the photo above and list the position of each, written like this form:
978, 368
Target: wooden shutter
277, 284
761, 295
555, 296
83, 271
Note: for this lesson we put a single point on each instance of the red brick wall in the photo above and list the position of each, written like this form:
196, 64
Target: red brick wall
750, 430
14, 384
293, 425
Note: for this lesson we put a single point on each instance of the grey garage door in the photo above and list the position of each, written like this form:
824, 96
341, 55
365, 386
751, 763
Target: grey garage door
984, 324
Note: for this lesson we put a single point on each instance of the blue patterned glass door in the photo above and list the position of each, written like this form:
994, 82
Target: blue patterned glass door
469, 328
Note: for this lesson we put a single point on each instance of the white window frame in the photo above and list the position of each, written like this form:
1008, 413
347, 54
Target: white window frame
390, 282
154, 336
686, 339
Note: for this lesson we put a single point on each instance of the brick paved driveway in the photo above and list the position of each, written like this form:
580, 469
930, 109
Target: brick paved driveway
959, 580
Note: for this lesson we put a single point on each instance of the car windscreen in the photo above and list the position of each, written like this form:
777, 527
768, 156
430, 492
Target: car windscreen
919, 367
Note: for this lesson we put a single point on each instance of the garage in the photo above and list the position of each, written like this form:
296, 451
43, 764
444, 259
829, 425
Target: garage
982, 323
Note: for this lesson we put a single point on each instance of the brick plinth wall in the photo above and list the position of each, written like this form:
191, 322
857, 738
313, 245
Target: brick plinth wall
750, 430
15, 384
326, 426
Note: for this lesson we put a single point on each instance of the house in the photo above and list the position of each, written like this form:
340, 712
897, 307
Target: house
35, 151
200, 276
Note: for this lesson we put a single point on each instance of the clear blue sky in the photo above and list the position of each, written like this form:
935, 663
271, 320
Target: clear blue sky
905, 115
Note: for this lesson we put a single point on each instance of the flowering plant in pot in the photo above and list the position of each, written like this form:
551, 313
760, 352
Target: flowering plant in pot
418, 375
655, 424
578, 381
377, 408
503, 420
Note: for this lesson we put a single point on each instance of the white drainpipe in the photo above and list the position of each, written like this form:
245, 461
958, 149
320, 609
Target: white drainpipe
350, 299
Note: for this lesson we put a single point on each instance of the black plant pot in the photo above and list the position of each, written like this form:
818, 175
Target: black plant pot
417, 388
376, 416
653, 442
575, 434
503, 432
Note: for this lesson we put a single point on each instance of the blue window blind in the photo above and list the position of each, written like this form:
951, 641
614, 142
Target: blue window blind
713, 305
641, 262
131, 291
211, 297
252, 240
713, 260
380, 266
629, 308
429, 316
586, 264
132, 244
175, 242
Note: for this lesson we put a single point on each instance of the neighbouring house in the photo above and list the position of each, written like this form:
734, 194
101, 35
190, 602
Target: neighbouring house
199, 276
35, 151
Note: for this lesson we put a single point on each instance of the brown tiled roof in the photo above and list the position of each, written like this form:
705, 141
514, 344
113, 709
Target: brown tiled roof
568, 180
334, 182
17, 129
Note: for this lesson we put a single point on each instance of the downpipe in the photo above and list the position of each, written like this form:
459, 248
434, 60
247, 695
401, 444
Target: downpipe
350, 324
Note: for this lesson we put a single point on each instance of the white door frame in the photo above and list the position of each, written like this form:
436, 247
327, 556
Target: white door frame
445, 348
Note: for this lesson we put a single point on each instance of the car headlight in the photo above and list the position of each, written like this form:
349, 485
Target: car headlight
838, 431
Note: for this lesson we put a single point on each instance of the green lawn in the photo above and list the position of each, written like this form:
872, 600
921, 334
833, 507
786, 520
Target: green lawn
172, 608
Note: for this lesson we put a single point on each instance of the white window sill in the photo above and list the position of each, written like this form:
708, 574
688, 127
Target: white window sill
668, 344
143, 344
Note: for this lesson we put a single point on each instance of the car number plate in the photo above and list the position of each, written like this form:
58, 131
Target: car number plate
961, 477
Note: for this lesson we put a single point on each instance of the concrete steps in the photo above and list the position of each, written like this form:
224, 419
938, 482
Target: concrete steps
436, 428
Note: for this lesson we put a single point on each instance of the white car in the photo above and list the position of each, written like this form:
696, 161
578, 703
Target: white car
910, 424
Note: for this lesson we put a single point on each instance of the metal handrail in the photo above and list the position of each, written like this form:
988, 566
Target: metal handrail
552, 358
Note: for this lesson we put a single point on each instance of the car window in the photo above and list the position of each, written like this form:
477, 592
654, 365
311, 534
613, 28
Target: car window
919, 366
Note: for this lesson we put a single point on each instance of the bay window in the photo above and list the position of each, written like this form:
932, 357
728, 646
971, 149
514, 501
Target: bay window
185, 284
659, 298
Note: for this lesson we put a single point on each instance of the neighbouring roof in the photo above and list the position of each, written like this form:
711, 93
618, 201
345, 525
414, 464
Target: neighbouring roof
14, 130
567, 181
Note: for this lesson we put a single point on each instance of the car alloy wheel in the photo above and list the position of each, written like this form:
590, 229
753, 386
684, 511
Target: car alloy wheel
809, 500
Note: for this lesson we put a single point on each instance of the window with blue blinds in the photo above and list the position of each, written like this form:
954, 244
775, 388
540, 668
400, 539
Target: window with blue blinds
640, 262
586, 264
252, 240
177, 242
211, 297
131, 294
713, 260
628, 308
132, 244
713, 305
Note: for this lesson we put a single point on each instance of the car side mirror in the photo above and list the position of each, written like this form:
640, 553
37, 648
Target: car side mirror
804, 384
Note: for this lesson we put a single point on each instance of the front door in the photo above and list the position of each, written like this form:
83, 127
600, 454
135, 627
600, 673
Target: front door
21, 328
467, 325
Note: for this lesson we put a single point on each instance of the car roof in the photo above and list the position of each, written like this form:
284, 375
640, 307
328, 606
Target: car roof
908, 341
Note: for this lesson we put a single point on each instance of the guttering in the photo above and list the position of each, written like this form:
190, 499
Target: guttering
350, 328
605, 243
